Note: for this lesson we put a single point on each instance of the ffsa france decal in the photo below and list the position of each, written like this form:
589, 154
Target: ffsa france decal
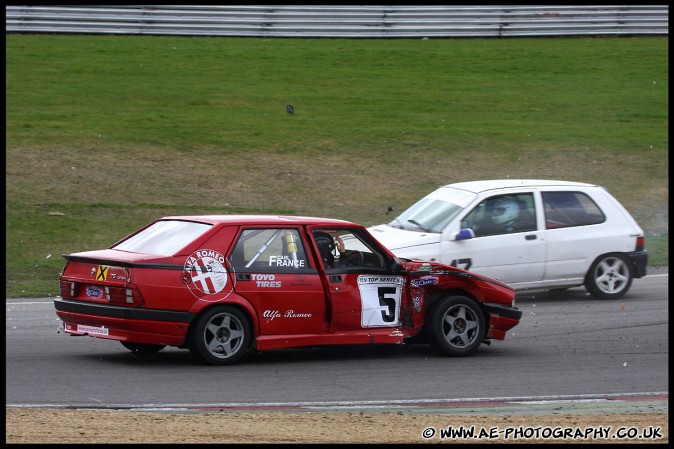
380, 300
205, 273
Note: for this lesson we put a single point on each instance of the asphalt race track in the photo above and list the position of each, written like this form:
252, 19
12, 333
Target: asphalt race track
568, 345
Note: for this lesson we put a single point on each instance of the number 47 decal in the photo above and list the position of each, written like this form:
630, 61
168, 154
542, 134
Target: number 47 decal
465, 262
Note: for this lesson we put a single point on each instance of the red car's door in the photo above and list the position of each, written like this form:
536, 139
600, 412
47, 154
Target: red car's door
361, 301
272, 271
362, 292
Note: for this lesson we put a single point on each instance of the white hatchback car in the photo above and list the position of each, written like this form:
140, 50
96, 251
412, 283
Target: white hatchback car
532, 234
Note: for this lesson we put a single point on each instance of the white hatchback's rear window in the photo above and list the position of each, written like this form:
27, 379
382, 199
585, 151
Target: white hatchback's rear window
163, 238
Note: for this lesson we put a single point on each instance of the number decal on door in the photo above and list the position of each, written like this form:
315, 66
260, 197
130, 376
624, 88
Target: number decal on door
465, 262
387, 299
380, 300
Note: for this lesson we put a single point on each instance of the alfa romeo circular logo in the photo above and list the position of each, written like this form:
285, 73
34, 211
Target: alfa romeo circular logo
205, 273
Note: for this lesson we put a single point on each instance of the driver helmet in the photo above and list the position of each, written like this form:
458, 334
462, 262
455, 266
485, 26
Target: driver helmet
505, 210
326, 246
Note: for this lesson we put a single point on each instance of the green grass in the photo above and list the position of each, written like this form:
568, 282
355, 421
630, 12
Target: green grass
106, 133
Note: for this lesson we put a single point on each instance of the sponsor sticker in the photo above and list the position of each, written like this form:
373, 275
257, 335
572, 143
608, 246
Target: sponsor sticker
92, 330
94, 292
426, 280
417, 302
265, 280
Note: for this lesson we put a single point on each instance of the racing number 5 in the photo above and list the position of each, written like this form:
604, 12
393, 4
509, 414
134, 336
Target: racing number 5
380, 298
387, 297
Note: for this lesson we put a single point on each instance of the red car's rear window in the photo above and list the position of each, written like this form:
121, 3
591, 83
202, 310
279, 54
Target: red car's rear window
163, 238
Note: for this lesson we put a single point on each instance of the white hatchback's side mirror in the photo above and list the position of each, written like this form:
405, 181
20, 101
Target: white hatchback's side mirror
465, 234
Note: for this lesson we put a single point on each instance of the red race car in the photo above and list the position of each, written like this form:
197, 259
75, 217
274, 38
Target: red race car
223, 284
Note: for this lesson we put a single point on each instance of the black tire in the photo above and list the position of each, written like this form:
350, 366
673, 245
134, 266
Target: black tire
456, 326
142, 348
609, 277
221, 336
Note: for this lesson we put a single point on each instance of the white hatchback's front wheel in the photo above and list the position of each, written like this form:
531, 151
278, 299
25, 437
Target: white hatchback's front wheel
609, 277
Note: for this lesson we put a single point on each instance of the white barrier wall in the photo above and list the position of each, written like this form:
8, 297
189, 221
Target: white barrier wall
346, 21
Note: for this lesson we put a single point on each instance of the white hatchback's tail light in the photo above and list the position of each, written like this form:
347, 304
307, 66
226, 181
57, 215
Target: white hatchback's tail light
641, 243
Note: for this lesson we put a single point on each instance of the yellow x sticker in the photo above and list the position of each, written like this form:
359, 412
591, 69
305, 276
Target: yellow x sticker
102, 272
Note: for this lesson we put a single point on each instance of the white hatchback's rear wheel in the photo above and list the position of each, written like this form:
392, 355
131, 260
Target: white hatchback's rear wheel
609, 277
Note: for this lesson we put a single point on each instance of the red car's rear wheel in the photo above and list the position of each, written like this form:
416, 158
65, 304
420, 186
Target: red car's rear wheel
221, 336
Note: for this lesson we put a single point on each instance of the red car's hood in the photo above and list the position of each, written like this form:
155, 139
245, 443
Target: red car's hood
419, 269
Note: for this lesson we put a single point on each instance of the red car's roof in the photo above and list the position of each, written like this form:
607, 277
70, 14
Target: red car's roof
259, 219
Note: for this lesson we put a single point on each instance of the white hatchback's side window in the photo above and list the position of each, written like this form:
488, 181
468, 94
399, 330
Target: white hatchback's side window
566, 209
503, 214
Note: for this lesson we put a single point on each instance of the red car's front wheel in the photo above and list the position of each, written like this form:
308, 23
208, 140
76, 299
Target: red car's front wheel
456, 326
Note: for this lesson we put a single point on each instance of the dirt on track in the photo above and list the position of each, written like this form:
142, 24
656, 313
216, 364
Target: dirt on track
28, 425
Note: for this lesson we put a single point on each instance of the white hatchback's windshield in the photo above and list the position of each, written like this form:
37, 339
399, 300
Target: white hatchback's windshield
163, 238
434, 211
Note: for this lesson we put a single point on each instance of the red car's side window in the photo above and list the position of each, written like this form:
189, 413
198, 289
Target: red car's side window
275, 249
344, 248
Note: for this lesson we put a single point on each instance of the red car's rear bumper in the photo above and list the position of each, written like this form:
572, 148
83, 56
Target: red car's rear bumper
123, 323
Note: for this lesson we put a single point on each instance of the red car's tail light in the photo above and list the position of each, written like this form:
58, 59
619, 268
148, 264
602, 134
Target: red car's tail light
68, 289
128, 294
641, 243
124, 295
